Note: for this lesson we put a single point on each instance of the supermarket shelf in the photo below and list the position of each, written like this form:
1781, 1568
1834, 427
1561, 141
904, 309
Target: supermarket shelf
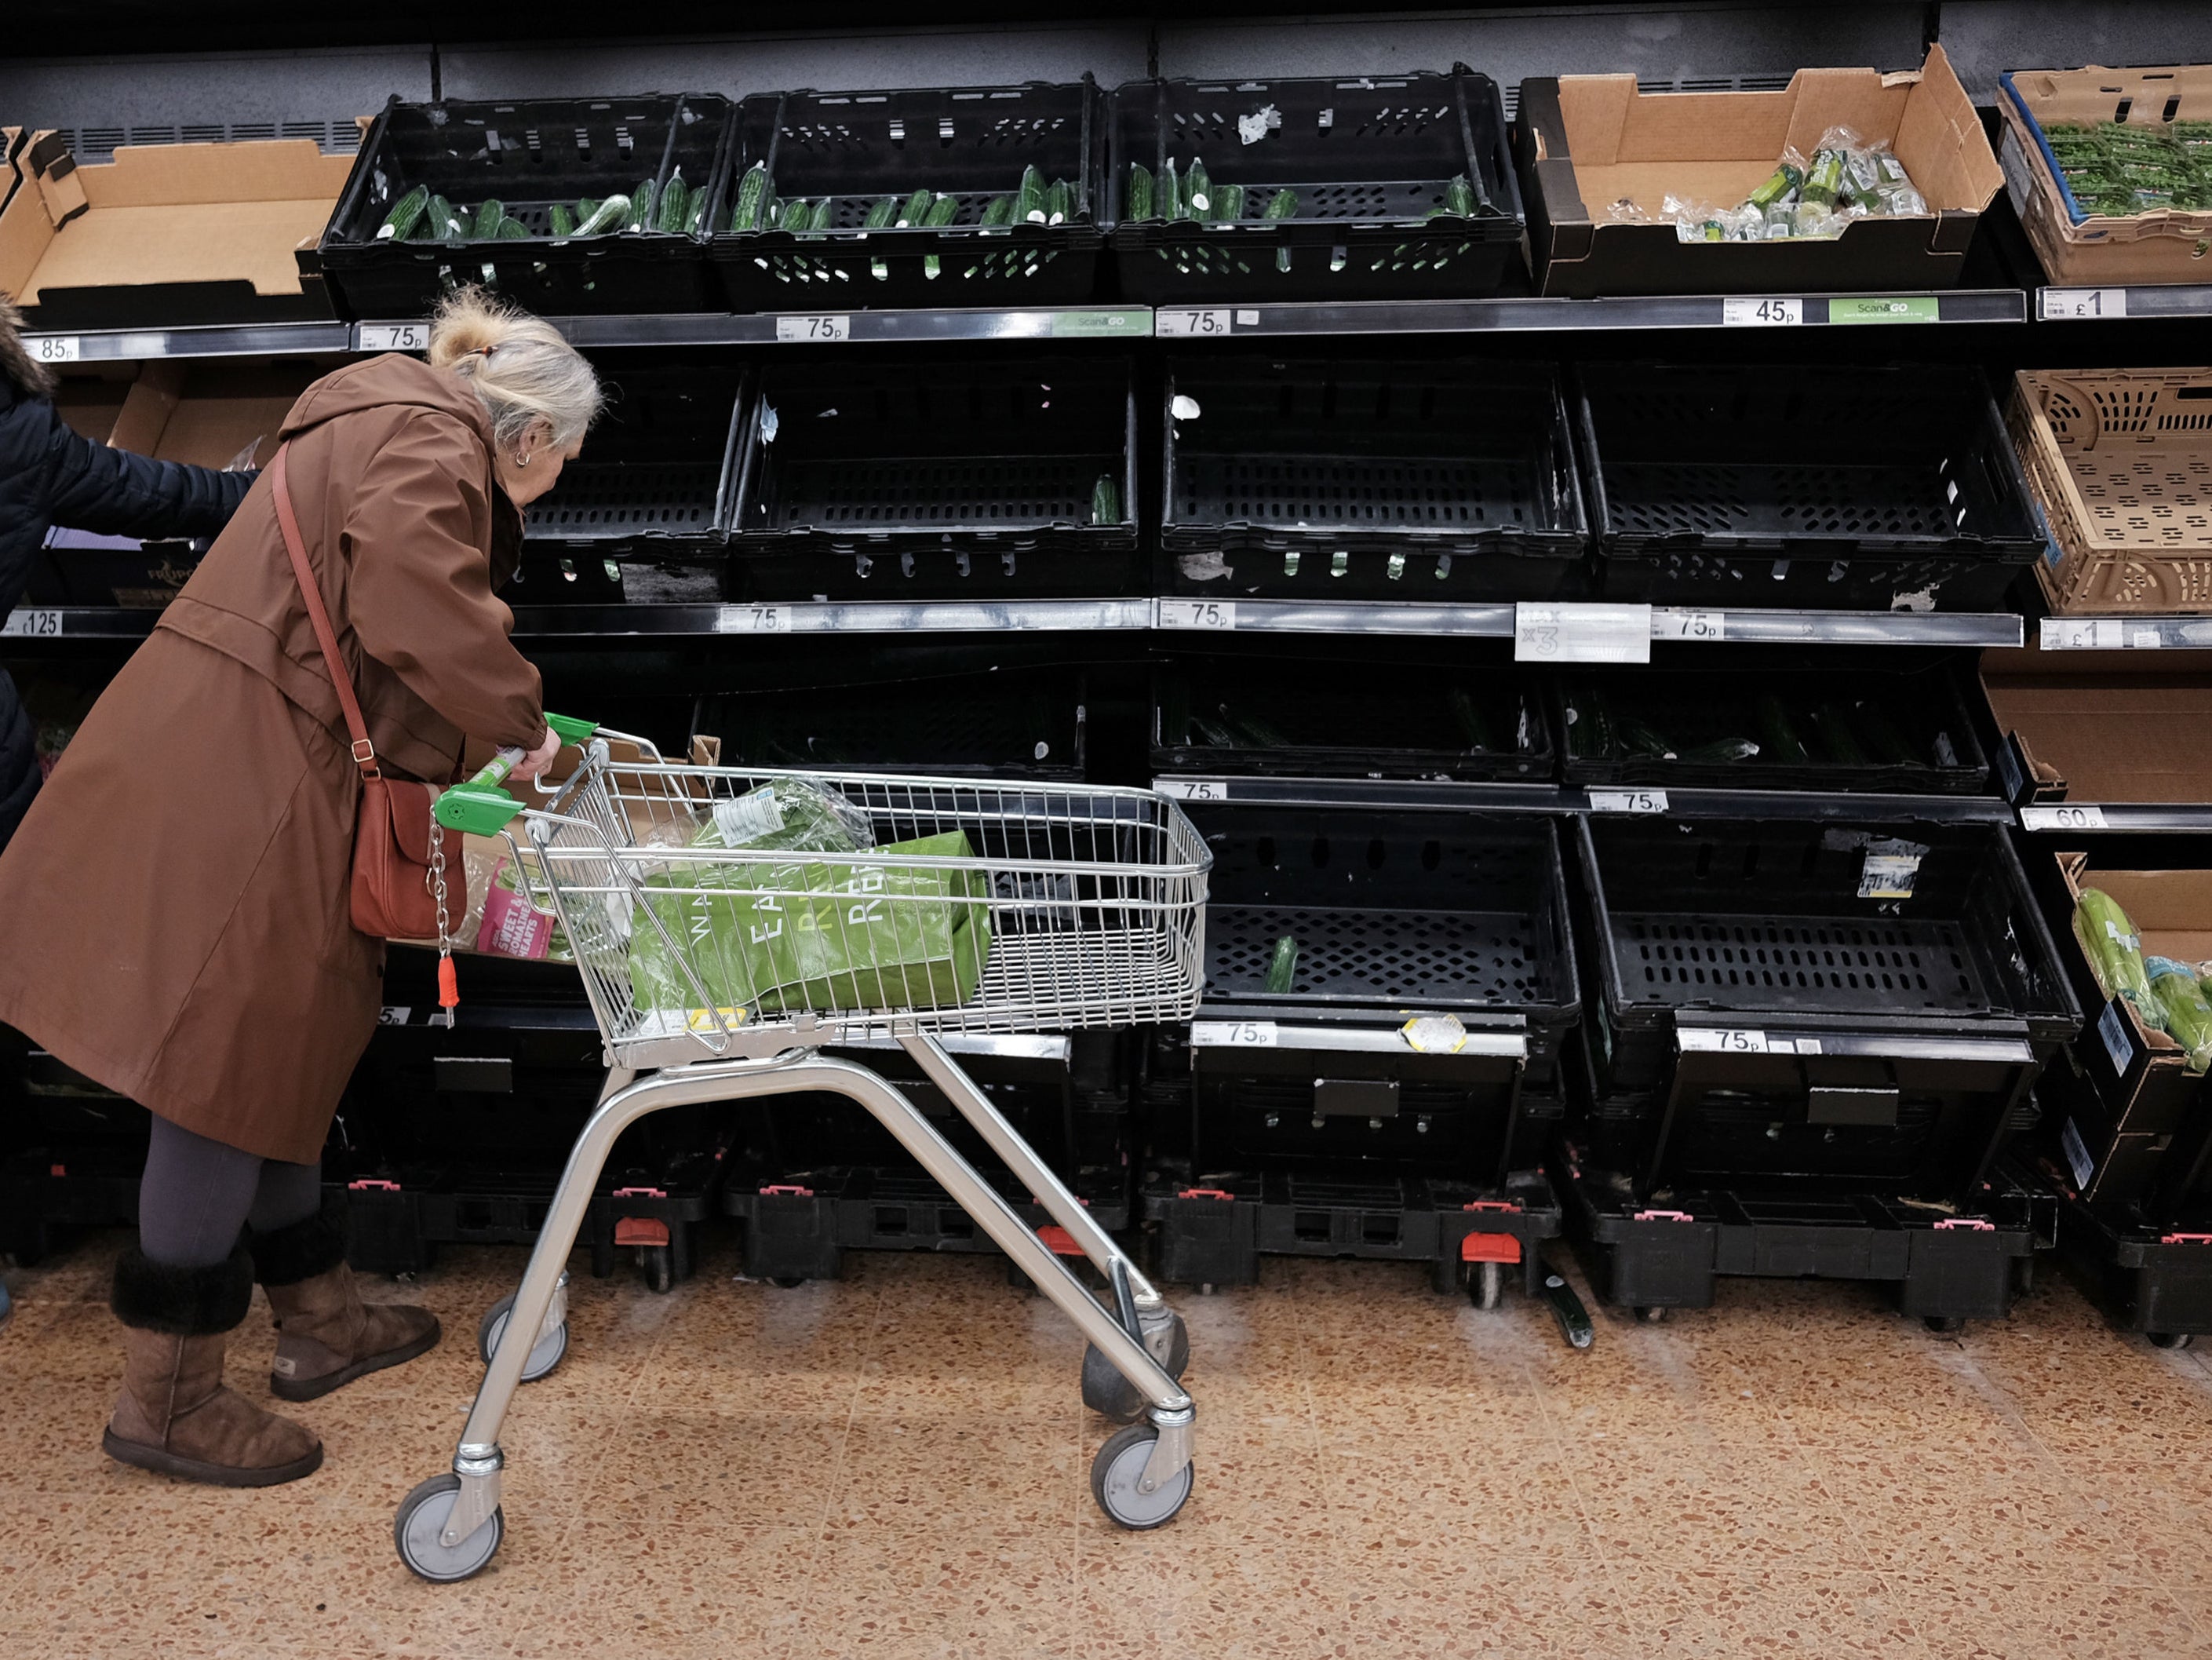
830, 327
242, 340
1673, 624
1409, 793
2118, 818
2110, 305
1653, 312
838, 617
2124, 633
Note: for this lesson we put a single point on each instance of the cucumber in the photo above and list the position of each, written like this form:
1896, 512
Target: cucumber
1777, 737
753, 192
1028, 200
880, 216
1198, 189
674, 207
585, 207
1890, 746
796, 215
609, 215
917, 207
1058, 201
1213, 734
406, 213
1169, 192
1141, 190
1639, 738
1283, 204
942, 212
1832, 722
2108, 939
510, 229
2188, 1016
1105, 500
1259, 733
641, 207
1720, 752
1228, 203
823, 215
695, 218
1459, 198
440, 223
1470, 718
1001, 212
487, 221
563, 221
1283, 967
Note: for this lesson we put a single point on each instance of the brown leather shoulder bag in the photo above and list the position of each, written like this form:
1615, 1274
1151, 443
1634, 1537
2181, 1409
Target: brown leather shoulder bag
401, 887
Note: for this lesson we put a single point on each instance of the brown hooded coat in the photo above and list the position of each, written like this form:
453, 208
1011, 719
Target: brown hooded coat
173, 912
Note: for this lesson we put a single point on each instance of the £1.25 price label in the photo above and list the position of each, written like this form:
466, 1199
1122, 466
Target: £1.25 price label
24, 624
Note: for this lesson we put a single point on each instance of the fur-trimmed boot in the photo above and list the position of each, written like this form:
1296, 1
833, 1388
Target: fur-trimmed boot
326, 1335
174, 1415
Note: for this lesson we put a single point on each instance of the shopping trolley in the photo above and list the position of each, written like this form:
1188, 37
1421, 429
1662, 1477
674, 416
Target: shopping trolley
977, 907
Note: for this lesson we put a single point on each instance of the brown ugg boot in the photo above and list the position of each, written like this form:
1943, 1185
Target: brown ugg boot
174, 1415
326, 1335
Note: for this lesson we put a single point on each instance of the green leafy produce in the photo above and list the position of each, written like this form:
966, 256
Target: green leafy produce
753, 195
563, 221
2188, 1016
406, 213
1283, 967
1141, 190
2108, 939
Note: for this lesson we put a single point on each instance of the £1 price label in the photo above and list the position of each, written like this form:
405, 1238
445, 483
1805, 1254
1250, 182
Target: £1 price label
814, 328
1761, 311
2081, 305
1197, 613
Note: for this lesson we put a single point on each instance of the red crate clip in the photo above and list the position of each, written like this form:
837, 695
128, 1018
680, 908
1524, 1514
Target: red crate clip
640, 1193
2185, 1239
785, 1190
1059, 1242
1490, 1247
372, 1184
640, 1231
1662, 1216
1970, 1224
1207, 1193
58, 1170
1506, 1205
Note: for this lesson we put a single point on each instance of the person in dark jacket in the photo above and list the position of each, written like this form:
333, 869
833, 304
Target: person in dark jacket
51, 475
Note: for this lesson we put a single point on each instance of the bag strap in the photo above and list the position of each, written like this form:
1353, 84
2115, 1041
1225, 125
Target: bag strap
364, 753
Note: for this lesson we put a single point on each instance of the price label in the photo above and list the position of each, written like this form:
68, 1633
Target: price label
1193, 789
1197, 613
393, 1014
2061, 819
2081, 305
1689, 624
1754, 312
33, 624
2083, 634
2077, 1154
1581, 633
1182, 321
2119, 1043
54, 348
393, 337
1232, 1034
814, 328
1706, 1040
1628, 801
753, 619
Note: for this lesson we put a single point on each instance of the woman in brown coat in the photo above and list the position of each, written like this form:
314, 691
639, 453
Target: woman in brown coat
177, 898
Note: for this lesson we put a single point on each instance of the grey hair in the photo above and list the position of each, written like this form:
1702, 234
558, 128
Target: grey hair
519, 366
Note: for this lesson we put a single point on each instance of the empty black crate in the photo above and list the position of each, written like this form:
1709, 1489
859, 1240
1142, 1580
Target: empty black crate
853, 151
1859, 1007
1347, 719
1856, 729
1370, 161
1015, 724
533, 155
656, 465
1812, 486
958, 479
1445, 480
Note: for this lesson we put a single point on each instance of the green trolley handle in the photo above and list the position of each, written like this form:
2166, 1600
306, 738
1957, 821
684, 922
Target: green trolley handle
480, 806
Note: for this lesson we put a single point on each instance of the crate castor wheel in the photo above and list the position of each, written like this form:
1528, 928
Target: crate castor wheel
656, 1265
544, 1354
1943, 1325
1115, 1472
1651, 1314
1113, 1397
786, 1282
421, 1517
1486, 1285
2169, 1339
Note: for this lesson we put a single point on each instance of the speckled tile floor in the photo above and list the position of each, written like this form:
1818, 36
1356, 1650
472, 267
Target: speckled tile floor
896, 1465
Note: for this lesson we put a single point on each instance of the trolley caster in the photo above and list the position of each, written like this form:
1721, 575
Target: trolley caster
786, 1282
2169, 1339
544, 1354
421, 1517
656, 1264
1486, 1285
1567, 1309
1943, 1325
1651, 1314
1114, 1474
1113, 1397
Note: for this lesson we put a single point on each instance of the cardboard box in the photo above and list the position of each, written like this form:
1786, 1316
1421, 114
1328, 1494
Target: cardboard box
169, 235
2102, 727
1584, 142
2120, 461
2115, 1136
2092, 249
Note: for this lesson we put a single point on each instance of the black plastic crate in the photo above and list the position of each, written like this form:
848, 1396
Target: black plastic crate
1859, 1008
655, 470
531, 154
1863, 729
961, 479
1446, 480
2145, 1275
1014, 724
1816, 486
1347, 719
855, 149
1369, 158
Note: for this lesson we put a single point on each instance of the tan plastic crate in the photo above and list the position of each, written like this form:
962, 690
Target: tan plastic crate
2121, 460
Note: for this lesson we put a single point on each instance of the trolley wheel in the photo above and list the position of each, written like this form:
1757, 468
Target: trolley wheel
1486, 1285
1114, 1474
1651, 1314
657, 1263
421, 1517
2169, 1339
544, 1354
1943, 1325
786, 1282
1113, 1397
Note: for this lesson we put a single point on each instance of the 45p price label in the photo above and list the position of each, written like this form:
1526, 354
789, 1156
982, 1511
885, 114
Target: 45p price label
1761, 311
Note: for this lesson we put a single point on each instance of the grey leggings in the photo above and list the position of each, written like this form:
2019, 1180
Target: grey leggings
198, 1194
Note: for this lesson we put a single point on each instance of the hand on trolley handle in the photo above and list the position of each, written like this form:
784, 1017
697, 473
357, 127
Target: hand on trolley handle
1095, 900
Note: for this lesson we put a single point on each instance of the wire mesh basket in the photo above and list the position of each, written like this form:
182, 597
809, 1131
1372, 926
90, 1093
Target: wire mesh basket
963, 906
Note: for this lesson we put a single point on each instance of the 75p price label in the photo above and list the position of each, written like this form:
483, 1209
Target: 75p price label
1628, 801
393, 337
1232, 1034
1761, 311
1171, 321
814, 328
1193, 789
753, 619
1197, 613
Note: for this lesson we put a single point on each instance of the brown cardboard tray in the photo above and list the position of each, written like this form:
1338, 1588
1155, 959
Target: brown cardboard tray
2107, 727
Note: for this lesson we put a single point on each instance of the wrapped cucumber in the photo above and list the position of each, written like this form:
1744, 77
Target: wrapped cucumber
880, 216
563, 221
1059, 202
1198, 189
1000, 213
1637, 738
1784, 181
1720, 751
1029, 198
2108, 939
440, 223
611, 214
1283, 967
2188, 1016
1473, 725
1141, 190
752, 196
1283, 204
1889, 745
1458, 198
673, 210
1832, 724
1214, 734
1228, 203
1589, 723
406, 214
1260, 733
510, 229
1778, 739
641, 207
1168, 194
917, 207
1105, 500
487, 219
